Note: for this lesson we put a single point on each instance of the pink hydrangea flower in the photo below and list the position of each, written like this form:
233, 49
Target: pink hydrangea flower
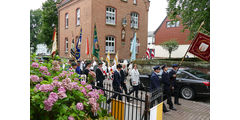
93, 94
83, 82
61, 89
62, 95
35, 65
54, 96
79, 106
83, 90
43, 68
89, 87
34, 78
48, 105
71, 118
65, 72
100, 91
40, 79
55, 78
94, 104
62, 74
46, 88
76, 79
37, 86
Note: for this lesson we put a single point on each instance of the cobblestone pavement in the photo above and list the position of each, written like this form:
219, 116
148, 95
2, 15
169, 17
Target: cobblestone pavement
198, 109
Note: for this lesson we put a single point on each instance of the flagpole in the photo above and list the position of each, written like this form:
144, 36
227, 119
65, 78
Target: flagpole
190, 46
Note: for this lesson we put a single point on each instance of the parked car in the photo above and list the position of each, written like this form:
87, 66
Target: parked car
191, 82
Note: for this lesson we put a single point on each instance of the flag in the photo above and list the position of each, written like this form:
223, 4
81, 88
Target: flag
54, 46
156, 112
96, 48
201, 46
152, 53
108, 58
115, 61
78, 46
72, 48
133, 47
147, 52
87, 47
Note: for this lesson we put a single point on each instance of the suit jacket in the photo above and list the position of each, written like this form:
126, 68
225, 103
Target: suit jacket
116, 79
166, 81
154, 82
122, 76
172, 78
78, 70
99, 75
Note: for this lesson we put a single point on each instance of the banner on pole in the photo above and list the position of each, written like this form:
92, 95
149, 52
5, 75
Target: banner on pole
156, 112
201, 46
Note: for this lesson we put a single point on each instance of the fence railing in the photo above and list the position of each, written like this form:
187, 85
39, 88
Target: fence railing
130, 107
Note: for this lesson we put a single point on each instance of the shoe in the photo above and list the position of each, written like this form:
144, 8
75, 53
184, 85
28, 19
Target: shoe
177, 103
164, 111
173, 109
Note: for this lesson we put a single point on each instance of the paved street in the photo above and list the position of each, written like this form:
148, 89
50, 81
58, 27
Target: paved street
198, 109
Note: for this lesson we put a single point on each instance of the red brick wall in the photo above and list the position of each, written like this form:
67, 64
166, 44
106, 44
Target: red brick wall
164, 34
94, 11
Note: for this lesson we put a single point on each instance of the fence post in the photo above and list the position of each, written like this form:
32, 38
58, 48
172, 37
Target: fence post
146, 107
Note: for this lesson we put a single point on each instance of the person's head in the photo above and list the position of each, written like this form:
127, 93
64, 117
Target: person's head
164, 68
88, 64
175, 66
135, 66
119, 67
100, 64
156, 69
74, 65
124, 66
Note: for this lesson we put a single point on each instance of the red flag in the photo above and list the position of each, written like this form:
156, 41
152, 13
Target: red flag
87, 47
147, 52
201, 46
152, 53
54, 45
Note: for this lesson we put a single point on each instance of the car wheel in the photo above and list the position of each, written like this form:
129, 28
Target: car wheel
187, 93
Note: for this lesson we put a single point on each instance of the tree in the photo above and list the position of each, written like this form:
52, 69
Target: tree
35, 24
192, 14
170, 46
49, 20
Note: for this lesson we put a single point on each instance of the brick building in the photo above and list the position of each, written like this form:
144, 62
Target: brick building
116, 22
167, 31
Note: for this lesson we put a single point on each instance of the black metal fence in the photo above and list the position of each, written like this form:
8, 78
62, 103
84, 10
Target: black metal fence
130, 107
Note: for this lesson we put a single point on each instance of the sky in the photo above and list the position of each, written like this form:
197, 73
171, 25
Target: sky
157, 12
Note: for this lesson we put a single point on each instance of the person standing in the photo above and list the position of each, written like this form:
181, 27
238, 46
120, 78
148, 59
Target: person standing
89, 74
123, 80
175, 90
99, 75
78, 69
135, 80
116, 84
167, 89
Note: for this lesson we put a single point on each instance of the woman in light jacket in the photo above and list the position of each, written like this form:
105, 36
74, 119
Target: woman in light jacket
135, 80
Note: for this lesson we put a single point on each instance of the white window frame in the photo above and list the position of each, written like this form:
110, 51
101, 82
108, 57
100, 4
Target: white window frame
134, 2
66, 20
175, 24
78, 16
110, 15
66, 43
134, 20
110, 44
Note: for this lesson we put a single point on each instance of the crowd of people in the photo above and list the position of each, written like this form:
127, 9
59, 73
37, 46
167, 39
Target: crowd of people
96, 72
169, 82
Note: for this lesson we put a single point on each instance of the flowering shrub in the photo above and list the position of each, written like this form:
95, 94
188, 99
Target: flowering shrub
59, 95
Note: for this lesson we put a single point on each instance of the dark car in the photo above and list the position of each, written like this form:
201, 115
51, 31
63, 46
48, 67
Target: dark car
191, 82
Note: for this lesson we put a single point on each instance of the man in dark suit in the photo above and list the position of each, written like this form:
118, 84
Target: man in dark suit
175, 90
116, 84
78, 70
124, 73
167, 89
99, 75
155, 84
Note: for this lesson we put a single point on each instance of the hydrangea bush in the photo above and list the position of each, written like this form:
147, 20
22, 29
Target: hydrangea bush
59, 95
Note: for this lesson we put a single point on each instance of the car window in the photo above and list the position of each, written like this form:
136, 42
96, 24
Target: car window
184, 75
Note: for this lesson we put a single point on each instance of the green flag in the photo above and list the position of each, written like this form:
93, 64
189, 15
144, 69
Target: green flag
96, 48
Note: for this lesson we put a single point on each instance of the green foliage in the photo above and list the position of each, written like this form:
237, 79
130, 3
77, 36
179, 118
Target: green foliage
192, 12
49, 20
170, 46
35, 24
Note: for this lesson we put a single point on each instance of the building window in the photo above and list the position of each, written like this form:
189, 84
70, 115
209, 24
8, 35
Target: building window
66, 43
173, 24
110, 15
134, 20
124, 0
134, 2
66, 20
78, 17
110, 44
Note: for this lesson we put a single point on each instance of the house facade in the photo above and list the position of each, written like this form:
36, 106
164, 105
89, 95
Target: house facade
171, 31
116, 22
